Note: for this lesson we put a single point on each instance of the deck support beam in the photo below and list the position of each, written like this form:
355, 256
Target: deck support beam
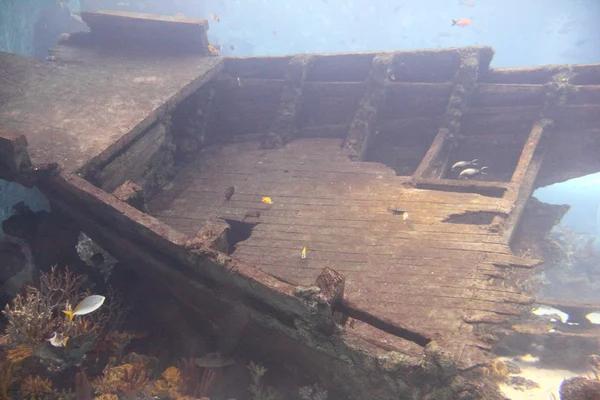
285, 126
523, 179
362, 126
435, 162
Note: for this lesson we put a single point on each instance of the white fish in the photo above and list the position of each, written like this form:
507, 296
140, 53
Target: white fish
86, 306
465, 164
58, 340
471, 172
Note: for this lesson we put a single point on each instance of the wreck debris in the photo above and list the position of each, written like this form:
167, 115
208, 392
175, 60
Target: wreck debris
386, 292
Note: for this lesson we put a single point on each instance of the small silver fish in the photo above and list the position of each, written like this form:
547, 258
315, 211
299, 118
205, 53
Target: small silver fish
464, 164
86, 306
391, 75
471, 172
58, 340
229, 192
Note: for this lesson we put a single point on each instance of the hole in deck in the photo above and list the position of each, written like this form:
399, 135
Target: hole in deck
472, 218
238, 232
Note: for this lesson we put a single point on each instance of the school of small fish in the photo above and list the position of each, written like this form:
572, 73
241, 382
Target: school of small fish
467, 169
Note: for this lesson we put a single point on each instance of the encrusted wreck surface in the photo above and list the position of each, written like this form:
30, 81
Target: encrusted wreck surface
343, 145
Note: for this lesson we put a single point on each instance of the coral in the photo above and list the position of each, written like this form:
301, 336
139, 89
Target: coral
170, 386
7, 378
19, 354
33, 316
579, 388
497, 371
33, 388
83, 389
107, 397
259, 392
128, 380
312, 392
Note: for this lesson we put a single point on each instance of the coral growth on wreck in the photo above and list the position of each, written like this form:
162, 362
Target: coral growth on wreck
97, 362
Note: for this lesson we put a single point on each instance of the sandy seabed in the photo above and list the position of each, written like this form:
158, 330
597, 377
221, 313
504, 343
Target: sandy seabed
548, 379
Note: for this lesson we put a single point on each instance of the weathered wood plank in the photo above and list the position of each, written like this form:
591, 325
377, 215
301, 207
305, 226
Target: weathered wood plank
152, 32
525, 191
505, 95
120, 104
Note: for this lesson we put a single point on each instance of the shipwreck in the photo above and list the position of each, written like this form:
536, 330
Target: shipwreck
137, 140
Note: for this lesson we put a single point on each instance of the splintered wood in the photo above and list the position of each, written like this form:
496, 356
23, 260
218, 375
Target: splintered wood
423, 274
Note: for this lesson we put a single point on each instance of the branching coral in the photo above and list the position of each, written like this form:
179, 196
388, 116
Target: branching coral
127, 380
258, 390
33, 388
35, 315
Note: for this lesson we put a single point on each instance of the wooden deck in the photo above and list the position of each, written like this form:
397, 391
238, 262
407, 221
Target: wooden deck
426, 275
86, 106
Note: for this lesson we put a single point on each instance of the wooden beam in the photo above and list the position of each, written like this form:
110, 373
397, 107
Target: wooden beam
285, 126
528, 150
362, 126
14, 157
155, 33
523, 195
491, 189
435, 161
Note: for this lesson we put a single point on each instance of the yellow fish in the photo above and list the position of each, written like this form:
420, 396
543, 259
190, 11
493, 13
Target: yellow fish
267, 200
86, 306
404, 216
303, 254
212, 50
58, 340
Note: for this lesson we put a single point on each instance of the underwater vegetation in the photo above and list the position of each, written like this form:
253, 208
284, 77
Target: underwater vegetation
54, 348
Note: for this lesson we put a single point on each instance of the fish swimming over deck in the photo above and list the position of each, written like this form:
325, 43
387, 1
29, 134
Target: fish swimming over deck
229, 192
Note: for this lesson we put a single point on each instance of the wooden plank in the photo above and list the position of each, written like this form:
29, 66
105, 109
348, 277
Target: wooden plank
120, 103
415, 100
503, 95
528, 150
525, 191
584, 95
361, 128
120, 29
493, 189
